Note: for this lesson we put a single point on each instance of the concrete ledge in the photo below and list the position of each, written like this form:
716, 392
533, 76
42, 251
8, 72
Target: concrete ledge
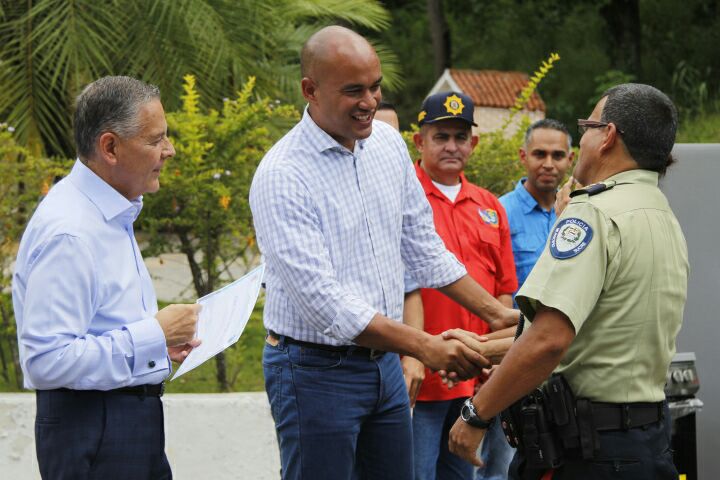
218, 436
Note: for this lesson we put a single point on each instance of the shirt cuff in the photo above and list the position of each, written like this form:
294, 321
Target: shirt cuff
350, 321
150, 351
440, 274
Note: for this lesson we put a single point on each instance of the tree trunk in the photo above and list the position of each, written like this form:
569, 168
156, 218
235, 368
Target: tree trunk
221, 372
622, 20
440, 33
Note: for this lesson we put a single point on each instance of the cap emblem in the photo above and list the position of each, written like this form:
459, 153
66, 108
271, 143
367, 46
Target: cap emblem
453, 104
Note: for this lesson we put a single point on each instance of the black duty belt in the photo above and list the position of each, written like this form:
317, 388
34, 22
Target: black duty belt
156, 390
624, 416
345, 349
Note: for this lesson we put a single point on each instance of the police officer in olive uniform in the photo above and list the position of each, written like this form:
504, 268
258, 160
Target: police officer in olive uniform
605, 300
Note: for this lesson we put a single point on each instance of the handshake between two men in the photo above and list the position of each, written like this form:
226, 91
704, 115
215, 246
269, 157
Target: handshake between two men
471, 355
456, 354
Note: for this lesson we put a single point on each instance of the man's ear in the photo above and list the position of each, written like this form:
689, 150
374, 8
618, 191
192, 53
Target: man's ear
571, 156
474, 139
418, 140
107, 145
523, 156
308, 88
611, 138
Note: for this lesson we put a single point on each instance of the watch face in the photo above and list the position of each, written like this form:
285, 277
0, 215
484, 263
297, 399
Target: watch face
465, 412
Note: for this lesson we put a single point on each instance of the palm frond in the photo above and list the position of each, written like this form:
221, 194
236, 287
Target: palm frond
365, 13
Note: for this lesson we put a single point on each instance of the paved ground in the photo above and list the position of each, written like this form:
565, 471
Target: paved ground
222, 436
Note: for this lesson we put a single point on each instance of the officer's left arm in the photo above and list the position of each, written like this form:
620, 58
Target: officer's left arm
530, 361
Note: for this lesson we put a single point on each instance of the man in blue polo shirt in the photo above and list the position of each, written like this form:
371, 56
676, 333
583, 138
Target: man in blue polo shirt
546, 156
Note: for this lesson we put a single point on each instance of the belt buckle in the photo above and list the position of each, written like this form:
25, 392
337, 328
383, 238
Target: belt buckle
625, 420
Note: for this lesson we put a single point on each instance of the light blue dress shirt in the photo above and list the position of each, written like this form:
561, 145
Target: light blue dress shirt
530, 227
84, 302
337, 228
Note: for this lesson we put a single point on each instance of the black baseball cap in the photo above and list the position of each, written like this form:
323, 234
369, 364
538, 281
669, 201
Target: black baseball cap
445, 106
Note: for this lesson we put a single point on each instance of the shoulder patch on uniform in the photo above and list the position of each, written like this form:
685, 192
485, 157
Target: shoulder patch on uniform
570, 238
489, 216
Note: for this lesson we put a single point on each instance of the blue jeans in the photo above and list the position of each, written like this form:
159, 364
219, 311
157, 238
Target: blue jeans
338, 416
496, 454
641, 453
432, 422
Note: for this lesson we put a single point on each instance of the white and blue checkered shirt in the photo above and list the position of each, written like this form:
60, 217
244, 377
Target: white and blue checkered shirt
337, 228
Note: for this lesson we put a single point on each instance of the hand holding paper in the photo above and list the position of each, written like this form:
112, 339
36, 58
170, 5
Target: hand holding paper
223, 318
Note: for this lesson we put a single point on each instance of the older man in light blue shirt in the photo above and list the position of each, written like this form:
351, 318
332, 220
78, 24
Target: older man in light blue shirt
339, 214
92, 341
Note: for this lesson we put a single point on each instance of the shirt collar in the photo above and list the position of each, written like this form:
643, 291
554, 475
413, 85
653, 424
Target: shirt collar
430, 188
528, 201
108, 200
465, 190
637, 175
319, 138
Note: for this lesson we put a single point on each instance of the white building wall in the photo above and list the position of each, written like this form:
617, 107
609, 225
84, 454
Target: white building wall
490, 119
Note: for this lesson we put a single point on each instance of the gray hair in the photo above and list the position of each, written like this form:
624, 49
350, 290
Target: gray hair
648, 121
110, 104
549, 124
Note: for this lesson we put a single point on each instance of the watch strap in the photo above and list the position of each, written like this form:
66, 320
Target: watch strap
470, 416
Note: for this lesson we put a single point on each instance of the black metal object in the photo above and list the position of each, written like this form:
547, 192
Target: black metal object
680, 389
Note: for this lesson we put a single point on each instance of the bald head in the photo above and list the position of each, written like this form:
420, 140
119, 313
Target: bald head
341, 83
329, 44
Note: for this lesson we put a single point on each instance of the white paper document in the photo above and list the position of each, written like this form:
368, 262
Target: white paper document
223, 318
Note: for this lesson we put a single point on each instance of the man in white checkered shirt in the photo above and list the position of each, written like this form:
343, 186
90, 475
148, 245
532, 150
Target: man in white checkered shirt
339, 213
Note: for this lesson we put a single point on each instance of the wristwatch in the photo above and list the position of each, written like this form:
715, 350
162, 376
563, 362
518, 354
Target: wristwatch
469, 416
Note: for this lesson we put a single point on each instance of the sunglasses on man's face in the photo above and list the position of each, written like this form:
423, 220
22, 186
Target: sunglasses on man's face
585, 125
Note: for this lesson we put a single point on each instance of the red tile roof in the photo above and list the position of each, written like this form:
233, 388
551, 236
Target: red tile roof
493, 88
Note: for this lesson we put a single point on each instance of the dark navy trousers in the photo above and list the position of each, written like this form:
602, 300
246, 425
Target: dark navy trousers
641, 453
339, 416
98, 435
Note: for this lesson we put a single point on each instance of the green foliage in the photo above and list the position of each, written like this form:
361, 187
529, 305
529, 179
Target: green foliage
690, 89
10, 373
203, 200
512, 35
700, 129
202, 209
50, 49
494, 164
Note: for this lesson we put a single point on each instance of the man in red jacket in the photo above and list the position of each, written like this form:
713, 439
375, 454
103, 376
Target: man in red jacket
473, 225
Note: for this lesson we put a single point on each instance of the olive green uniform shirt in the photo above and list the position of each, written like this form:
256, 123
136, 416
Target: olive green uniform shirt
622, 284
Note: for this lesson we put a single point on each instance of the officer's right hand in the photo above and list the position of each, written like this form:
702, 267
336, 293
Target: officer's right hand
178, 322
453, 356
